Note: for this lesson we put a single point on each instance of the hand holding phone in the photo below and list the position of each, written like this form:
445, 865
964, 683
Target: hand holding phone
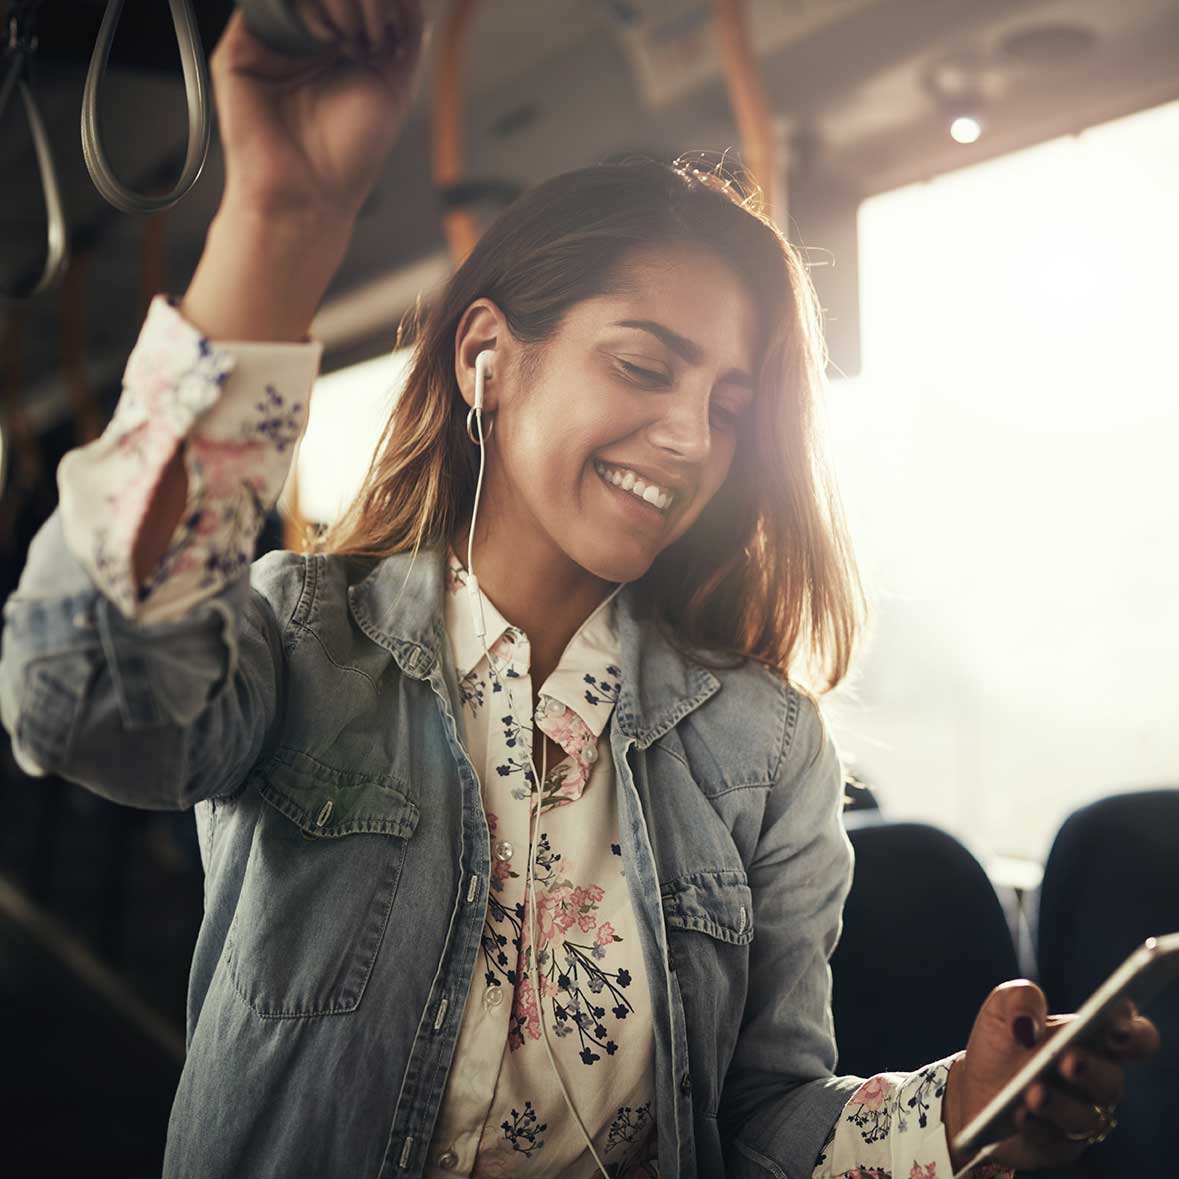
1139, 979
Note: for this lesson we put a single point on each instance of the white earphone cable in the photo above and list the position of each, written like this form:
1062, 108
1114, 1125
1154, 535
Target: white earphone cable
538, 780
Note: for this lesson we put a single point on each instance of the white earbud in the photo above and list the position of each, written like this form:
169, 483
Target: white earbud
482, 363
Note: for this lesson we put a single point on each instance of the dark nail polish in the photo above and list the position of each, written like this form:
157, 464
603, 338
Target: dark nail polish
1024, 1028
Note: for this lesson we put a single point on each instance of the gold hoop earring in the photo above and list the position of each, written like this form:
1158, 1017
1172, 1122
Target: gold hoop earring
488, 422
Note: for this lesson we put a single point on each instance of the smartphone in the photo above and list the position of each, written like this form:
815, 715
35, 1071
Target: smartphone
1143, 975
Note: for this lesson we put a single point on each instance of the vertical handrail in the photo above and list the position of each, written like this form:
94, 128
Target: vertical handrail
751, 108
448, 154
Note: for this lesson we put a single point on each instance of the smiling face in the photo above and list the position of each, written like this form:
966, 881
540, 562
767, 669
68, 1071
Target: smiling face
612, 442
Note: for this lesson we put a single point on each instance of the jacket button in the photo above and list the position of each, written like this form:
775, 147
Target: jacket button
503, 850
686, 1083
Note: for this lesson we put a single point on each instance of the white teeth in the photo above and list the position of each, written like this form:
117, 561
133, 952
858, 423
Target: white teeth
629, 481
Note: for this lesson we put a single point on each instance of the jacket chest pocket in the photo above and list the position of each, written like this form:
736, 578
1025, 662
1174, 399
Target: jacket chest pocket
319, 887
709, 920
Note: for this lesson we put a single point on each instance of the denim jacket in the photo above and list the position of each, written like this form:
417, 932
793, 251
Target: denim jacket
308, 713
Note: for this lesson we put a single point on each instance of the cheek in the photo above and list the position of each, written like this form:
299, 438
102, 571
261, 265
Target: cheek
720, 464
554, 457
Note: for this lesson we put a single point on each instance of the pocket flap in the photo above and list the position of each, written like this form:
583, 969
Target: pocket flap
719, 903
325, 803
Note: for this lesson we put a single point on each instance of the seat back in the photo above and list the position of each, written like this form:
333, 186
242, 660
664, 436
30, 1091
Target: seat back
924, 942
1111, 881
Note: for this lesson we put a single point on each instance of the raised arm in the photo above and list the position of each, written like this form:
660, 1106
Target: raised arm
141, 655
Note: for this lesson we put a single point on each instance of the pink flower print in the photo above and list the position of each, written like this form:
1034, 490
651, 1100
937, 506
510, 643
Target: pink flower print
929, 1171
873, 1093
500, 872
525, 1017
208, 522
544, 917
594, 892
567, 729
605, 934
492, 821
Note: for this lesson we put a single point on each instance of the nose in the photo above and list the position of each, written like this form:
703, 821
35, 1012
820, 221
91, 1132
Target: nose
683, 427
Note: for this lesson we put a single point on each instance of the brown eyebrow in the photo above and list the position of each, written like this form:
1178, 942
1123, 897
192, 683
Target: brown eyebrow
682, 346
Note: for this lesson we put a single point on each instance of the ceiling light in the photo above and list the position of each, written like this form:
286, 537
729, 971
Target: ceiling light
966, 129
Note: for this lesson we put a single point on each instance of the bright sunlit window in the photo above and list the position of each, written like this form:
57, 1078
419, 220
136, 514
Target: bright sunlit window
1008, 463
349, 409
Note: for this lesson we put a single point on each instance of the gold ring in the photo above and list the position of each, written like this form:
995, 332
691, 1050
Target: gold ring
1108, 1124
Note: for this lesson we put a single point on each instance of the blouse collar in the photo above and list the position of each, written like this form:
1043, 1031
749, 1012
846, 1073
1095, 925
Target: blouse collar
588, 677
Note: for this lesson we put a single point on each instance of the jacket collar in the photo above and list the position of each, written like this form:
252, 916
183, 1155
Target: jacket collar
399, 605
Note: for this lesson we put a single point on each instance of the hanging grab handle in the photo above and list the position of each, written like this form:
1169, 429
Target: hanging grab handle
18, 51
197, 92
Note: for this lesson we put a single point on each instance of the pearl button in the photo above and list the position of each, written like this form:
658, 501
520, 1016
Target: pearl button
589, 754
493, 996
503, 850
448, 1161
555, 707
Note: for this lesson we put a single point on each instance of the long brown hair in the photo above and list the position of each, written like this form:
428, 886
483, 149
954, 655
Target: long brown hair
767, 571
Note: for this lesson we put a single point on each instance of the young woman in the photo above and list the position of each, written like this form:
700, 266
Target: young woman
536, 872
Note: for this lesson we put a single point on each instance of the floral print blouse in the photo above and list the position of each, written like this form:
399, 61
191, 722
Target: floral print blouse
501, 1101
239, 407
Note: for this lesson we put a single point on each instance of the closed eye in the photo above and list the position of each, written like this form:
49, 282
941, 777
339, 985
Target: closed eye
727, 417
645, 374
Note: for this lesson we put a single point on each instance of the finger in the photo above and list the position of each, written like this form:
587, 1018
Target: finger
344, 15
1070, 1115
1048, 1145
375, 17
1092, 1076
319, 26
1132, 1038
1022, 1006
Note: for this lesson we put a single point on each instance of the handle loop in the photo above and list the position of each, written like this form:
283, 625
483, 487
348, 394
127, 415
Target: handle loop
18, 55
196, 90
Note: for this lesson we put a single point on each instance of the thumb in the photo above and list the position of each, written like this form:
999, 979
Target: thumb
1022, 1007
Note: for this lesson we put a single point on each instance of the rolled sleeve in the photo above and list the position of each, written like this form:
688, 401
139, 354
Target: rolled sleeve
237, 408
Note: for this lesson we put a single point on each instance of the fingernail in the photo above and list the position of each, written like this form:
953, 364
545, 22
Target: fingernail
1119, 1037
1024, 1028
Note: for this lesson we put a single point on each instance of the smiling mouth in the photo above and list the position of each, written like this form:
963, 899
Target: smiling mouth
623, 480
